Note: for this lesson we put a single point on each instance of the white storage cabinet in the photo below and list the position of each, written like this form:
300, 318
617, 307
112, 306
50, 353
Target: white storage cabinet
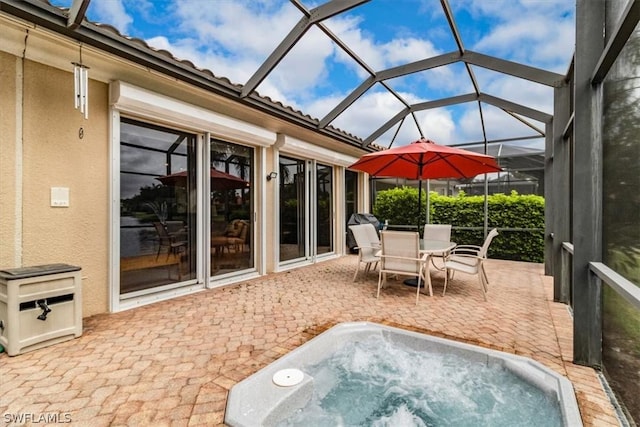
39, 306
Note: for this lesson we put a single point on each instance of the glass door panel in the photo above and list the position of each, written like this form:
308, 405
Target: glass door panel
293, 209
351, 193
231, 208
157, 207
324, 209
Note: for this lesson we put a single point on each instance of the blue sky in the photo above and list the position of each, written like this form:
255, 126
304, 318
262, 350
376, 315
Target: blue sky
232, 38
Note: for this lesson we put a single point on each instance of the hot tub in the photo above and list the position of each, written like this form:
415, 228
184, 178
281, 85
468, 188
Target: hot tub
428, 378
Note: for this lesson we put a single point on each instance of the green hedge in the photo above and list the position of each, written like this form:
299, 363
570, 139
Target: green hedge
400, 206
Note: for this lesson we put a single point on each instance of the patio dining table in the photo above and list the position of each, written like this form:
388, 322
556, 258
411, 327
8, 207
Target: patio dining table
431, 248
436, 247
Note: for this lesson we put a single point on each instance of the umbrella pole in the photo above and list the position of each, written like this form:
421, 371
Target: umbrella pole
427, 220
419, 201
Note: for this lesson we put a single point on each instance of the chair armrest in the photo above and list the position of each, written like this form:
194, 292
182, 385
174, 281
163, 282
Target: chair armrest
460, 257
475, 247
366, 247
466, 249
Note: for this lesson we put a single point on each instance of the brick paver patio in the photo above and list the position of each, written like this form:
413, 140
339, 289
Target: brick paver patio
172, 363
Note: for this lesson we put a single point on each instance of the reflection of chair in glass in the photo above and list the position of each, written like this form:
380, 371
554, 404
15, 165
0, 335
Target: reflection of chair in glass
172, 242
368, 244
439, 232
469, 259
400, 255
237, 234
174, 227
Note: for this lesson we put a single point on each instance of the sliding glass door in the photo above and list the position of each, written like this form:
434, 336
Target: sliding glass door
157, 208
231, 208
306, 209
324, 209
294, 211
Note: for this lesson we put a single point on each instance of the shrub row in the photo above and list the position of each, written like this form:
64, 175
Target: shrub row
400, 206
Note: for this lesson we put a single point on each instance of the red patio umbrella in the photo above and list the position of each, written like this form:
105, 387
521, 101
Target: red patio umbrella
219, 180
424, 159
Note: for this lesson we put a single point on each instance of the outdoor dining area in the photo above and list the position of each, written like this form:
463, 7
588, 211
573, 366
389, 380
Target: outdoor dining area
405, 253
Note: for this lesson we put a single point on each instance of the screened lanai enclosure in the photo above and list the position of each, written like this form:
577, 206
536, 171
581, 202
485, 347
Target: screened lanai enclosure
558, 108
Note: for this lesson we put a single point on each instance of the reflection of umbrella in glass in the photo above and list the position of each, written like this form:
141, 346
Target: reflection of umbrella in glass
219, 180
424, 159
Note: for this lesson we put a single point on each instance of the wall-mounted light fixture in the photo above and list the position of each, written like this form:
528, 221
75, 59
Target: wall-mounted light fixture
272, 175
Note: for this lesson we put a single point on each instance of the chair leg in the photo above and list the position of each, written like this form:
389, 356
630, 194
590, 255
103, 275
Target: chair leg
428, 282
486, 279
418, 290
446, 279
480, 278
355, 276
380, 279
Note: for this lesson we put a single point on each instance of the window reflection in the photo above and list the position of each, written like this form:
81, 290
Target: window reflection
293, 196
231, 201
324, 226
157, 207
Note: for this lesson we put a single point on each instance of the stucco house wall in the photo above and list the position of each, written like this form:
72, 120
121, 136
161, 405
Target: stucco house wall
55, 147
9, 197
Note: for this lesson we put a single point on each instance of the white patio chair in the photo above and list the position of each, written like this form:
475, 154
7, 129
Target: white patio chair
372, 233
400, 255
368, 246
469, 259
440, 232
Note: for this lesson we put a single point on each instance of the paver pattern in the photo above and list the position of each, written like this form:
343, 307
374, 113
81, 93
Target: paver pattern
172, 363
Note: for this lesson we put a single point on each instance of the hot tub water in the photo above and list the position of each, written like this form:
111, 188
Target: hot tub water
362, 373
375, 382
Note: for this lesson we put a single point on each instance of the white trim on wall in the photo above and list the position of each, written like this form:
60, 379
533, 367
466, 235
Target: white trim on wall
132, 99
306, 150
114, 211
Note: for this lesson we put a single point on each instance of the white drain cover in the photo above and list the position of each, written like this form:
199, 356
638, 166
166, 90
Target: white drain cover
288, 377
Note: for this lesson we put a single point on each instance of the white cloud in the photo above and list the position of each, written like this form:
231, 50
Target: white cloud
498, 125
372, 111
405, 50
368, 113
524, 92
232, 39
240, 28
531, 40
438, 126
305, 65
114, 13
378, 55
535, 32
237, 71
